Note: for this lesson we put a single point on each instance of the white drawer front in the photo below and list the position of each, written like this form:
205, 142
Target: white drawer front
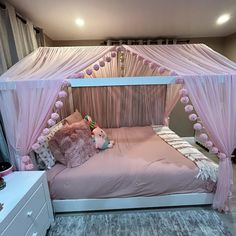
41, 224
24, 219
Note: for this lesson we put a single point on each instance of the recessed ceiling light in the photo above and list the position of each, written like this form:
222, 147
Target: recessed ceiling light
222, 19
79, 22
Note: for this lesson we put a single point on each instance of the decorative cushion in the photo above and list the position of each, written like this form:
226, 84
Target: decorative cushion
73, 118
45, 158
73, 145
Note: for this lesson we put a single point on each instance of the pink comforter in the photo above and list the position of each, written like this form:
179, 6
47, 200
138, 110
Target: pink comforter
140, 164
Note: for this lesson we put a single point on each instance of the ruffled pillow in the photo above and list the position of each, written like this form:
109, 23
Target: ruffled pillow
73, 145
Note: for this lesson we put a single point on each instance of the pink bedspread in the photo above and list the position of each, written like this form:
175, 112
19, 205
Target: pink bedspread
140, 164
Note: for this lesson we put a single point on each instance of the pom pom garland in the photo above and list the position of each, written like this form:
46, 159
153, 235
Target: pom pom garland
46, 131
29, 167
214, 150
62, 94
108, 59
55, 116
89, 72
161, 70
80, 75
101, 63
173, 73
152, 66
183, 92
59, 104
35, 146
209, 144
146, 62
51, 122
203, 137
188, 108
66, 83
197, 126
140, 58
25, 159
113, 54
96, 67
222, 156
179, 80
41, 139
184, 100
192, 117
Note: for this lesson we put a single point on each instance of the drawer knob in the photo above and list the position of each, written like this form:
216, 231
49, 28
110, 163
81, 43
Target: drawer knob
29, 213
35, 234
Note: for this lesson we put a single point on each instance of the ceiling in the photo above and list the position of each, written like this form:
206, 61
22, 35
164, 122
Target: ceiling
129, 18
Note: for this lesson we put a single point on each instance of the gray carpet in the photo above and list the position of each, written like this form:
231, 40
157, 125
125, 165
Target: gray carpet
147, 223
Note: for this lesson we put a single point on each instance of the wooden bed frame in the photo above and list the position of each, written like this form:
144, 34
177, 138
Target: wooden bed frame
171, 200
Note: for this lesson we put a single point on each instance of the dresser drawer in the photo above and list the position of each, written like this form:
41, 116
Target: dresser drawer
24, 219
42, 222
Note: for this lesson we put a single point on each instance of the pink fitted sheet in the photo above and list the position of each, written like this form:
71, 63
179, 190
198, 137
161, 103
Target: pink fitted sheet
140, 164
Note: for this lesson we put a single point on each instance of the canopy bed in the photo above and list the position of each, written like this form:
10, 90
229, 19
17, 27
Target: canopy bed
117, 75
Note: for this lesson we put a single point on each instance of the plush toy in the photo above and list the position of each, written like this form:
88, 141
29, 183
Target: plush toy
101, 140
92, 124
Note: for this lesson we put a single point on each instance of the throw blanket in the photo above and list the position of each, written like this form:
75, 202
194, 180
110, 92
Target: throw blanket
207, 168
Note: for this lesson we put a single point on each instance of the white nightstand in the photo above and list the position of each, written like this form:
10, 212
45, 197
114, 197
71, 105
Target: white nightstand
27, 206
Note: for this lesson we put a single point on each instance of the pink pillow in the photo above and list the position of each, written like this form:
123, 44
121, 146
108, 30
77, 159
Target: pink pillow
73, 145
74, 117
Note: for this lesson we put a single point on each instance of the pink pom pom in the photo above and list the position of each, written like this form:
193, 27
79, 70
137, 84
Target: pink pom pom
89, 71
184, 100
79, 75
25, 159
179, 80
192, 117
119, 48
140, 58
59, 104
35, 146
66, 83
29, 167
113, 54
55, 116
51, 122
41, 139
209, 144
203, 137
96, 67
62, 94
161, 70
134, 54
188, 108
197, 126
222, 156
153, 66
101, 63
146, 62
46, 131
173, 73
108, 59
214, 150
183, 92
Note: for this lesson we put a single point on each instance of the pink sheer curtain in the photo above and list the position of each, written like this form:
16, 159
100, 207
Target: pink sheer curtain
214, 99
30, 88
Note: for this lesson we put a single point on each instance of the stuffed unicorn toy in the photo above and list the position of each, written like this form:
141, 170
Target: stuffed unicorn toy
101, 140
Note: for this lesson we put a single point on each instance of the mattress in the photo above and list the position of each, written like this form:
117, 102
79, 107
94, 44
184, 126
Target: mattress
139, 164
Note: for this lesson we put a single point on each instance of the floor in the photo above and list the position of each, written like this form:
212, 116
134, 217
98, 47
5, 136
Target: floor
229, 219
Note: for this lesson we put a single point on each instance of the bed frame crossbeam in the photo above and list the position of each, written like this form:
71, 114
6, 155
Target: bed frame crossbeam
122, 81
172, 200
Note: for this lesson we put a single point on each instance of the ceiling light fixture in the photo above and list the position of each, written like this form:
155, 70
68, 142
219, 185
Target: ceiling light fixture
223, 19
79, 22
